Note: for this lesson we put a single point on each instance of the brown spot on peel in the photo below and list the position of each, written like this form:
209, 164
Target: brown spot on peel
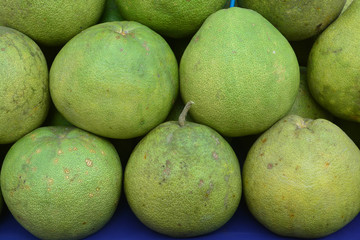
201, 183
89, 163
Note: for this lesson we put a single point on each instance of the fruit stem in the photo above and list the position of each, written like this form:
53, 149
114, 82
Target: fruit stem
184, 113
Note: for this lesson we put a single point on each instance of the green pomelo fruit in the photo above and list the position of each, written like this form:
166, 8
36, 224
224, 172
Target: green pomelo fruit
61, 183
111, 12
183, 180
115, 79
241, 73
51, 22
301, 178
305, 105
24, 91
175, 18
334, 66
297, 20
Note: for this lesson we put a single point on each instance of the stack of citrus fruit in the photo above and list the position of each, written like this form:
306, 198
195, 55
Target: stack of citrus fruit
176, 94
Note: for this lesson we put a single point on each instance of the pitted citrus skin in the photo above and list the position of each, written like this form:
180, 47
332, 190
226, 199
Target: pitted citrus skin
183, 181
24, 87
301, 178
61, 182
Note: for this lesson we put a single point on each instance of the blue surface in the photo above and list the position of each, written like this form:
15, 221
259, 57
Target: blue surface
125, 225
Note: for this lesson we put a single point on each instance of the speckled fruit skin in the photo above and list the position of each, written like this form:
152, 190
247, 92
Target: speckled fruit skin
334, 66
61, 182
301, 178
115, 79
50, 23
175, 19
297, 20
183, 181
240, 72
24, 88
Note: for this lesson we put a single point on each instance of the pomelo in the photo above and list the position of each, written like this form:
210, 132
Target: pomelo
115, 79
240, 71
334, 66
301, 178
183, 179
176, 18
297, 20
24, 90
50, 22
61, 182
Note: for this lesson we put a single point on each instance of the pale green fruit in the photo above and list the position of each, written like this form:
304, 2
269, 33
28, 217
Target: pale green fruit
297, 20
334, 66
301, 178
241, 73
183, 181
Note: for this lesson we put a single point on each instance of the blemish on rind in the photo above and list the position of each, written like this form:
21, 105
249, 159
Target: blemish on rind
169, 138
33, 137
215, 155
167, 168
270, 166
201, 183
66, 170
208, 192
89, 163
301, 124
216, 140
72, 149
60, 152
